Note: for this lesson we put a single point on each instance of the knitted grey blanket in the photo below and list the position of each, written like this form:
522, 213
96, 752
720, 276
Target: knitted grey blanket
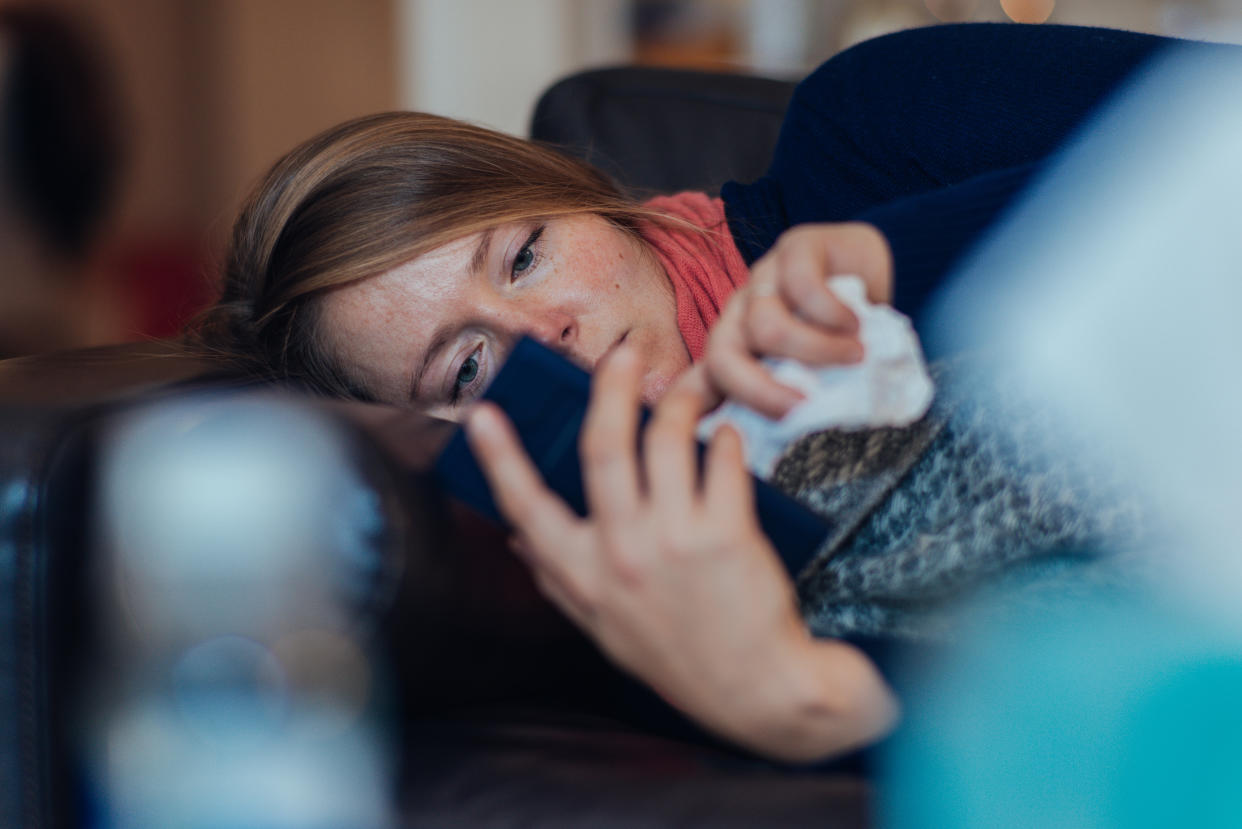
985, 490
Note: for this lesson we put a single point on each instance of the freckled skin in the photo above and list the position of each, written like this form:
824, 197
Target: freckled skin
588, 286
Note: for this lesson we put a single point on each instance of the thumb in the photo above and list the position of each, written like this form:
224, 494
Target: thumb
697, 382
860, 248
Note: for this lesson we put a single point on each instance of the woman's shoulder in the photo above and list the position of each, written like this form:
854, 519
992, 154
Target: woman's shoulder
926, 108
926, 55
970, 40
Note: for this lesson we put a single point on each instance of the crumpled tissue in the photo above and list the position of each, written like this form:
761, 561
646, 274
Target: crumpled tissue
890, 387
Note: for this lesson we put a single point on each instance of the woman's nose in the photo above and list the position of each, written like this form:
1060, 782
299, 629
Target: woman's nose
558, 331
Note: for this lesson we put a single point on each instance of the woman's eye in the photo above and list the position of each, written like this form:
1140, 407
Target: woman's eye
523, 261
468, 371
526, 256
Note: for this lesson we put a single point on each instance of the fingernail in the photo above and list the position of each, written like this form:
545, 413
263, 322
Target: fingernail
855, 352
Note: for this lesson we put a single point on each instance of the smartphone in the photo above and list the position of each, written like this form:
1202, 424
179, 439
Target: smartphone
546, 397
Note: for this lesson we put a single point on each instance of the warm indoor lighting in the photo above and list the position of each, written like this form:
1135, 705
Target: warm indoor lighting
1028, 11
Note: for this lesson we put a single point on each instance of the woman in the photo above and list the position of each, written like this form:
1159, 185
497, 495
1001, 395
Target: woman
397, 258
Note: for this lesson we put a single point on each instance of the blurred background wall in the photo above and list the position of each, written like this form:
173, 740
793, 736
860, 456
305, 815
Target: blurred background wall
211, 92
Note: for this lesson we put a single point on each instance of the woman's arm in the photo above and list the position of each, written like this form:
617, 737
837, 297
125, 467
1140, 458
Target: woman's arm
901, 250
894, 159
927, 108
673, 579
927, 234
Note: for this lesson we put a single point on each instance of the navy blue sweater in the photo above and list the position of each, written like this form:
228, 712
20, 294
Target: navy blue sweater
929, 134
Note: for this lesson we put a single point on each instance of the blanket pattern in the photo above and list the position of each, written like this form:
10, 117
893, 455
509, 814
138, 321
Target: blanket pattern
988, 489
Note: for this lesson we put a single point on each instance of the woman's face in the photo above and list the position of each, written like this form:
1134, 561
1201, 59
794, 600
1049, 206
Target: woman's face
435, 330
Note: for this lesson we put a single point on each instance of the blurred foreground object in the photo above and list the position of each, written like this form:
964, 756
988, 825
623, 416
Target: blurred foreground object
247, 558
1113, 291
1097, 716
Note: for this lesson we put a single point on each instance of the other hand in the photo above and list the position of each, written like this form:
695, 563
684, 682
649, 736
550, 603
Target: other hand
787, 310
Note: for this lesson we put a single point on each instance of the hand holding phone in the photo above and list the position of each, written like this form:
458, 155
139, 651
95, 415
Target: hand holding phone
671, 575
546, 397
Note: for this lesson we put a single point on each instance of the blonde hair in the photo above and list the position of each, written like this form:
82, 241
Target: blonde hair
364, 197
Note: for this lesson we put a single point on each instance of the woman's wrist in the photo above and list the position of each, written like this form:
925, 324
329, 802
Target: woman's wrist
831, 699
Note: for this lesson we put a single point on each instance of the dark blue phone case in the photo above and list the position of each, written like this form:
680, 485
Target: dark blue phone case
546, 397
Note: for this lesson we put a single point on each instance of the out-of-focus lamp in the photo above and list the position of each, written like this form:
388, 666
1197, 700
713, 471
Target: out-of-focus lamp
1028, 11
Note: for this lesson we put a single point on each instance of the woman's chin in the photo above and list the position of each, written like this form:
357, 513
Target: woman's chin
661, 376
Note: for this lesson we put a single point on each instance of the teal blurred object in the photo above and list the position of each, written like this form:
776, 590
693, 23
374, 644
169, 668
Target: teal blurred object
1097, 717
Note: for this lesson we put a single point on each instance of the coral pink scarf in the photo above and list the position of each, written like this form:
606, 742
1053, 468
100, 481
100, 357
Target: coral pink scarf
705, 268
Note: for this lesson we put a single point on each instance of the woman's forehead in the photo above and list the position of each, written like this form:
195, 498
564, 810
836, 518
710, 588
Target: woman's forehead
386, 320
451, 257
428, 280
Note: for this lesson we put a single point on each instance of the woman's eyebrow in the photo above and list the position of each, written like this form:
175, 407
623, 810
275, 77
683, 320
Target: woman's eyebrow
438, 340
480, 251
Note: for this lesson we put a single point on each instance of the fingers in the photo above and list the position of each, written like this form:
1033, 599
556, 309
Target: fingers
670, 452
727, 486
554, 585
548, 535
788, 311
798, 316
523, 499
774, 330
736, 372
852, 248
799, 270
609, 439
564, 596
698, 381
